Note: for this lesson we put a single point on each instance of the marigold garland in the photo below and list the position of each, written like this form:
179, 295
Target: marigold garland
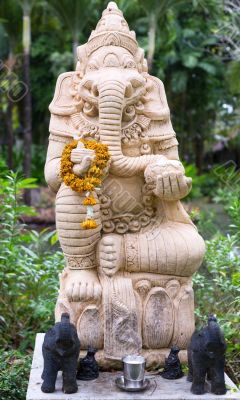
93, 177
89, 224
89, 201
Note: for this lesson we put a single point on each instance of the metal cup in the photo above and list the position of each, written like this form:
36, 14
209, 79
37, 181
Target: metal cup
133, 371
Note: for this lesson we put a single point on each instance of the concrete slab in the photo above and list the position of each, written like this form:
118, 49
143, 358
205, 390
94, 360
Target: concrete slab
104, 387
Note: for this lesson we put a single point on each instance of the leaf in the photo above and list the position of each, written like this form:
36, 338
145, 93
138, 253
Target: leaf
233, 74
179, 82
210, 41
30, 252
189, 60
210, 68
28, 183
27, 210
187, 33
236, 279
54, 238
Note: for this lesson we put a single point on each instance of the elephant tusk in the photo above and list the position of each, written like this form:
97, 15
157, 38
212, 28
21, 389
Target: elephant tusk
128, 90
95, 90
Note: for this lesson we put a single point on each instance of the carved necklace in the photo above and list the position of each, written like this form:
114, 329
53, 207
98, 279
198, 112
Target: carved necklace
136, 129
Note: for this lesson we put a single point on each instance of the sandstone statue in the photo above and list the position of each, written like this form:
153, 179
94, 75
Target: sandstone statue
127, 281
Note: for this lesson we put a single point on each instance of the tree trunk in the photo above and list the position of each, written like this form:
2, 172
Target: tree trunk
199, 153
75, 45
9, 129
151, 39
27, 103
8, 115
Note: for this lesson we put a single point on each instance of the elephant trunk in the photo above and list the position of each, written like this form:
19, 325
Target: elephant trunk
111, 101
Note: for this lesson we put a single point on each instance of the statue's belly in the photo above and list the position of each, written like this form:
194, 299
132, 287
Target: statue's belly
125, 204
167, 248
125, 194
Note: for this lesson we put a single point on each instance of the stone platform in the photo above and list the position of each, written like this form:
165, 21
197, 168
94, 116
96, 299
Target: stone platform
104, 387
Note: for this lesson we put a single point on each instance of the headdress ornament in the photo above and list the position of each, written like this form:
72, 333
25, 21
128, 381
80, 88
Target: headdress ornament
112, 30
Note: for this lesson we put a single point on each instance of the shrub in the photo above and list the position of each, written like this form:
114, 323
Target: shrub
217, 284
14, 373
28, 270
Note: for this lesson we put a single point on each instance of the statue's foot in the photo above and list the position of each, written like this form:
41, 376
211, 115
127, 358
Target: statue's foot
198, 388
47, 388
218, 388
111, 254
82, 285
70, 388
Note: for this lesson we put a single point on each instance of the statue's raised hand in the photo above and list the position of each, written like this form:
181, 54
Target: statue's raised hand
82, 167
82, 159
167, 180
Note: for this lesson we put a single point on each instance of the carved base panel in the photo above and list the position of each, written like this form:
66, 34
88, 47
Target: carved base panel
160, 314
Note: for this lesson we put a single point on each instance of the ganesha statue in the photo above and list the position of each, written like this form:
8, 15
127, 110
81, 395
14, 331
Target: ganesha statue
127, 280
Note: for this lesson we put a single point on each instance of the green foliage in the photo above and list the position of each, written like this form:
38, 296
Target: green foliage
217, 290
191, 172
38, 157
74, 14
217, 287
28, 269
229, 195
203, 185
196, 54
61, 62
233, 77
217, 284
10, 17
188, 52
14, 374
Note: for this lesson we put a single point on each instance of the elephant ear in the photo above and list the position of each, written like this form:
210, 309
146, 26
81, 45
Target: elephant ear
65, 101
82, 59
155, 101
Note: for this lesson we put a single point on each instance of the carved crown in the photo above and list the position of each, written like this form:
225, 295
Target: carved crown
112, 30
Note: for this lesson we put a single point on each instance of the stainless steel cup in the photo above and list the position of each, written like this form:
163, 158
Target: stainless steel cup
133, 371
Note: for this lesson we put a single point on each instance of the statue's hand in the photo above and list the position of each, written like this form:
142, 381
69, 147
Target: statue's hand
173, 186
167, 180
82, 159
82, 167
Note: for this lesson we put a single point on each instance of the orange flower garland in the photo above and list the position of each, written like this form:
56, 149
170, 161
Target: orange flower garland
93, 177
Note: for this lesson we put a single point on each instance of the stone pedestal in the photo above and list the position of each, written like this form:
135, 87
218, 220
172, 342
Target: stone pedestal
104, 387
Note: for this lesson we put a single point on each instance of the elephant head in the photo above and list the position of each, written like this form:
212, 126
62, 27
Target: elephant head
64, 340
115, 86
112, 86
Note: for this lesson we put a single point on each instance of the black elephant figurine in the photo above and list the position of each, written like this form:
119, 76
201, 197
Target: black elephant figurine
61, 349
172, 367
88, 367
206, 358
